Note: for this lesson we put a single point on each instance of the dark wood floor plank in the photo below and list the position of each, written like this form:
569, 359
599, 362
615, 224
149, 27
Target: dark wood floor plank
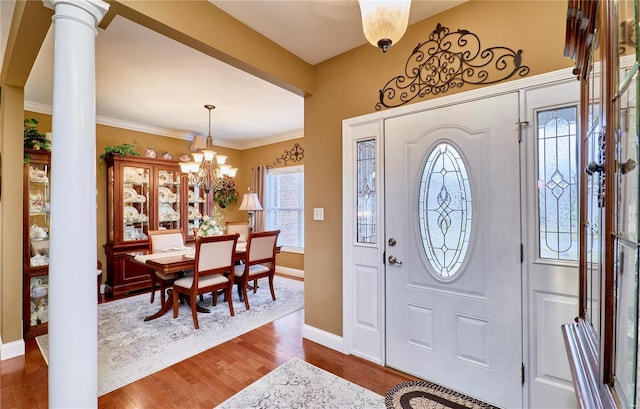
204, 380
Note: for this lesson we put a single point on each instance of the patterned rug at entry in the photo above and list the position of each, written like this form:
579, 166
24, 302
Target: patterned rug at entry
298, 384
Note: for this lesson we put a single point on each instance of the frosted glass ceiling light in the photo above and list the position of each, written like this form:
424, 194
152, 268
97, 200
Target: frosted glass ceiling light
384, 22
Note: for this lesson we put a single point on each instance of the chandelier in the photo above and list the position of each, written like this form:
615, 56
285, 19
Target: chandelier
208, 170
384, 22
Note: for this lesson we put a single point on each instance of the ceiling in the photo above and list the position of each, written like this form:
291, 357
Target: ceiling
150, 83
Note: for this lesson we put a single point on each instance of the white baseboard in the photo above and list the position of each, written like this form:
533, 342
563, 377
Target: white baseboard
290, 271
323, 338
11, 350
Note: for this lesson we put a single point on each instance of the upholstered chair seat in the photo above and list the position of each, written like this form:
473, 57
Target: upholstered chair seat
253, 270
187, 281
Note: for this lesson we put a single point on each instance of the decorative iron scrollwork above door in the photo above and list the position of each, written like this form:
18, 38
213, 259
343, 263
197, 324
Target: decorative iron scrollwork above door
450, 60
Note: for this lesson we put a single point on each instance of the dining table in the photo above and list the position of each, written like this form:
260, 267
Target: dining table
174, 261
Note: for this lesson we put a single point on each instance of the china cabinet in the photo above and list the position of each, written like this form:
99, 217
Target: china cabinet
144, 194
35, 241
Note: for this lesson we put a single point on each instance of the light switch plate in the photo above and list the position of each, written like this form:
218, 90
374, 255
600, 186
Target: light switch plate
318, 213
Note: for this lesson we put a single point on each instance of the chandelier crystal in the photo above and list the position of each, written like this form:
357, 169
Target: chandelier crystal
208, 170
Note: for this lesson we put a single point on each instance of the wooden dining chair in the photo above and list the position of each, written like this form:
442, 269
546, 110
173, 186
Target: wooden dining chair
160, 240
259, 262
242, 228
213, 271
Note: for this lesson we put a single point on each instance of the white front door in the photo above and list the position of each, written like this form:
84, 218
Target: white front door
453, 272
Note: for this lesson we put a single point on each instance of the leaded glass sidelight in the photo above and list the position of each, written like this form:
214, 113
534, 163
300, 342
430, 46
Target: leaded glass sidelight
557, 184
444, 210
366, 194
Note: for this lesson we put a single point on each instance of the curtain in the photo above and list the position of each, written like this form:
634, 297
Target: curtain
259, 173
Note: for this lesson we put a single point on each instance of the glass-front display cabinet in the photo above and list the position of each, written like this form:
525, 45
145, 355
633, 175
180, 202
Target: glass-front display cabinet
36, 222
142, 194
198, 202
602, 344
168, 202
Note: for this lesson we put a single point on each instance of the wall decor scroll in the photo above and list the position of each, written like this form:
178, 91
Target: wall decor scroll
295, 154
450, 60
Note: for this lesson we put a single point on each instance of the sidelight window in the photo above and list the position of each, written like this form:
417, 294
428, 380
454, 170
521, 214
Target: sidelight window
557, 184
366, 193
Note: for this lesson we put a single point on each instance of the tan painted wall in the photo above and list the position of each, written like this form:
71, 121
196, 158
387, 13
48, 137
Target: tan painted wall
347, 86
344, 87
11, 205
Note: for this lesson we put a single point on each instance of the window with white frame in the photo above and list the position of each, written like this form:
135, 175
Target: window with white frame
284, 205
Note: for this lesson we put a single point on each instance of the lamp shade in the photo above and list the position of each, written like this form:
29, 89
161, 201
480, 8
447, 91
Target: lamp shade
199, 143
184, 167
384, 22
250, 202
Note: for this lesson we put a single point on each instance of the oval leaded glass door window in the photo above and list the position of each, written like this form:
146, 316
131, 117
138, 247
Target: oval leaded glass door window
444, 210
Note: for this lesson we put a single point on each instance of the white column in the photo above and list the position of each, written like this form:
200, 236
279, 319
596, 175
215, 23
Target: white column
73, 311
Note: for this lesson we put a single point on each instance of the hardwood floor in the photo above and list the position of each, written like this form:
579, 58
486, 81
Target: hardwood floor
206, 379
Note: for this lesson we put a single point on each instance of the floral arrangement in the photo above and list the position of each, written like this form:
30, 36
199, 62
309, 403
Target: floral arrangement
211, 225
227, 194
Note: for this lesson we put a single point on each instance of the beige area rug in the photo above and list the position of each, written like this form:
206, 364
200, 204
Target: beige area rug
298, 384
130, 349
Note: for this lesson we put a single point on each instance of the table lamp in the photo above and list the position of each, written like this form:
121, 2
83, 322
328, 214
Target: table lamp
250, 203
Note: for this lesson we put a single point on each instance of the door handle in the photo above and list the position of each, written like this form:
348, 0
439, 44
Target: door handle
393, 260
594, 167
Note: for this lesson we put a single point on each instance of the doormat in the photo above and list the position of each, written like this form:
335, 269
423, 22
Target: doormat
427, 395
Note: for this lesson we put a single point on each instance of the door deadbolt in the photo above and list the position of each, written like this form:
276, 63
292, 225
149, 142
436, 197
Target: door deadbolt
392, 242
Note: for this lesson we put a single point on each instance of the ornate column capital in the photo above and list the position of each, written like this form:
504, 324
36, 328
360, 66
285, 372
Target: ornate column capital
88, 12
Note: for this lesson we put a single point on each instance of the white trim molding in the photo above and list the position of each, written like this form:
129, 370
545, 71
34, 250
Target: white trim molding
11, 350
323, 338
294, 272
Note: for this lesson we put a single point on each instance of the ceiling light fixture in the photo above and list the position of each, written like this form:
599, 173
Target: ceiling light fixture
384, 22
208, 170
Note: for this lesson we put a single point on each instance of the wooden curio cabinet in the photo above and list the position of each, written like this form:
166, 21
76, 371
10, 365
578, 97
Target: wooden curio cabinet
143, 194
36, 221
603, 342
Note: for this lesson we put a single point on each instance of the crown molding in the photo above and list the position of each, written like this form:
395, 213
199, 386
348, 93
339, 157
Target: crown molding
132, 126
255, 143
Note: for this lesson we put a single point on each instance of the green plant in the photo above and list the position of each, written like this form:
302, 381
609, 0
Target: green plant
227, 194
34, 139
123, 149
